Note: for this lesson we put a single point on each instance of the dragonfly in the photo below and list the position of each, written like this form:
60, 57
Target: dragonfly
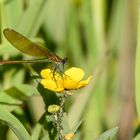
26, 46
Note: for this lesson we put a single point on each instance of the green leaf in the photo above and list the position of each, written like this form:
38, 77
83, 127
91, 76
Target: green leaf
36, 132
38, 128
75, 128
44, 125
16, 6
56, 20
31, 15
9, 103
109, 134
13, 97
16, 93
137, 73
137, 137
21, 92
65, 124
48, 96
46, 137
14, 124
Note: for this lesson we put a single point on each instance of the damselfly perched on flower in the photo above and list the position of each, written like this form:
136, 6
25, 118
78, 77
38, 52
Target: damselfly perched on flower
25, 45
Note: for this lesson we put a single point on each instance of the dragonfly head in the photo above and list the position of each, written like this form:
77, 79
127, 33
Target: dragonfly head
65, 60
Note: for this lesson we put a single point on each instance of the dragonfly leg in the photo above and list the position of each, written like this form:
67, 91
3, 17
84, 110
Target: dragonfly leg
54, 71
61, 72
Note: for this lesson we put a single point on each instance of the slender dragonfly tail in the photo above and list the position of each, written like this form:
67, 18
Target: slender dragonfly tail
24, 61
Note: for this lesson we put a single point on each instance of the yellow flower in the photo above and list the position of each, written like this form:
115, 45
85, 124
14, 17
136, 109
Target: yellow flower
69, 136
70, 80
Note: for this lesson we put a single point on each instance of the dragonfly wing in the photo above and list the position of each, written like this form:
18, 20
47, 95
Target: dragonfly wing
25, 45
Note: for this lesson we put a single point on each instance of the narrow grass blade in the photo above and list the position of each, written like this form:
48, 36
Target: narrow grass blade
11, 121
109, 134
137, 73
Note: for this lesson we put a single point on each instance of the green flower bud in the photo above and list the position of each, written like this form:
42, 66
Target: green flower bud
53, 108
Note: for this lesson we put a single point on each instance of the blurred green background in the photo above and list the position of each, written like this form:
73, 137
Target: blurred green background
96, 35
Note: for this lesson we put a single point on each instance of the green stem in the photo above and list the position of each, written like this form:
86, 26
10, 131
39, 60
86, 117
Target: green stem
58, 117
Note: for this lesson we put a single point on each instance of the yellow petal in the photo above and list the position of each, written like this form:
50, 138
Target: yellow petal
68, 83
49, 75
52, 85
74, 73
84, 82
